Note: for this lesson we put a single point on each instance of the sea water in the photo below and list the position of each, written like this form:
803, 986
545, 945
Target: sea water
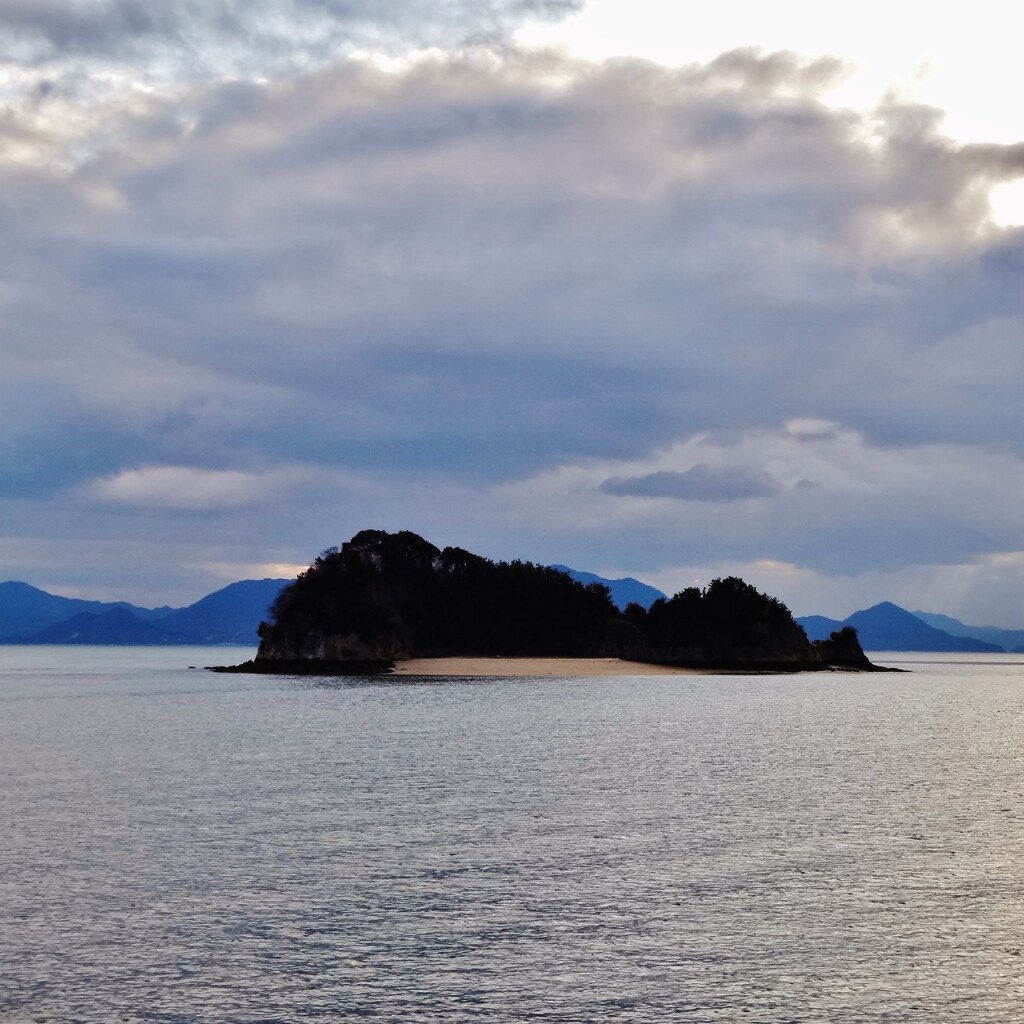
180, 846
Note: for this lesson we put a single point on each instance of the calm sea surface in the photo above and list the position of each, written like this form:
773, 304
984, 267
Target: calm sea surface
181, 846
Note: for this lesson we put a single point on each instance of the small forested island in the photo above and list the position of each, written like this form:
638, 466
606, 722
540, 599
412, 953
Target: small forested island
384, 597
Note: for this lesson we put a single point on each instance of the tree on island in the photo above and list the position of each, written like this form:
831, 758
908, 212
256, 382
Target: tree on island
388, 596
384, 597
727, 622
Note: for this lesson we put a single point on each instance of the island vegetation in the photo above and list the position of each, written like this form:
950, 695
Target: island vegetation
387, 597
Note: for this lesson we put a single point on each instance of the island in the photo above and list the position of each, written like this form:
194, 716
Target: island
383, 601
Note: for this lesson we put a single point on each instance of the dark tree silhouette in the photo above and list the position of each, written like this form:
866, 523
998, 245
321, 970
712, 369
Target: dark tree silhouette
387, 596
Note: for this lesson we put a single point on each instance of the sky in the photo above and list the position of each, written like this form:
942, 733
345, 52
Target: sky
582, 281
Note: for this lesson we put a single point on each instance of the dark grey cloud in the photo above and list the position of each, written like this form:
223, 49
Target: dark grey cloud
118, 28
435, 283
699, 483
459, 245
97, 25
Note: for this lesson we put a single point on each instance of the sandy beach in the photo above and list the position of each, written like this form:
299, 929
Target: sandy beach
580, 667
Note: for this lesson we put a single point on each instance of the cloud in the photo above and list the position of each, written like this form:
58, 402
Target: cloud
488, 291
201, 39
77, 26
173, 489
838, 504
699, 483
465, 230
812, 429
229, 572
107, 25
181, 487
74, 74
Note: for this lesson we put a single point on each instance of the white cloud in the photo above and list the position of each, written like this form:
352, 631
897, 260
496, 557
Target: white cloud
181, 487
941, 55
232, 571
194, 489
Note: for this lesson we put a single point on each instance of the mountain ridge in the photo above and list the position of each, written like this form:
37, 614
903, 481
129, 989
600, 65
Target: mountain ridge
1011, 640
623, 591
25, 609
888, 627
230, 615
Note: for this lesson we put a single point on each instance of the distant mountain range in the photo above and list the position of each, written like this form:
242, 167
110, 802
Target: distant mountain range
231, 616
228, 616
887, 627
883, 627
622, 592
1008, 639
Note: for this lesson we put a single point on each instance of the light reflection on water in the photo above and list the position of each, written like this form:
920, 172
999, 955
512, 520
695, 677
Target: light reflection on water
179, 846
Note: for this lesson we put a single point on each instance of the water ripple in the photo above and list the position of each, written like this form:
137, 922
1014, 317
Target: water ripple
807, 849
